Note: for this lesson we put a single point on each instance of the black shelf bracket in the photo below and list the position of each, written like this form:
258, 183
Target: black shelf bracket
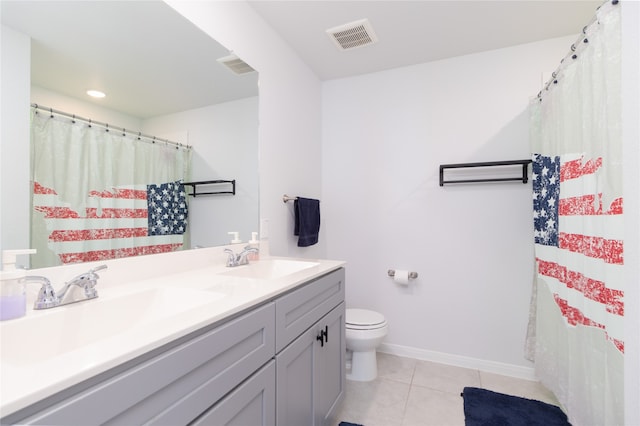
524, 178
230, 187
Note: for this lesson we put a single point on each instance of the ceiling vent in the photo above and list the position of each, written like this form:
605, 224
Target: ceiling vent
236, 64
352, 35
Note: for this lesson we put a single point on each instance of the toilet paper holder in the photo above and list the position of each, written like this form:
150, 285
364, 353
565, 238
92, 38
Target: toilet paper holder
412, 275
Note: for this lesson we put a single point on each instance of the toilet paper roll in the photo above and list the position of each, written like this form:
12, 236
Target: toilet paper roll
401, 277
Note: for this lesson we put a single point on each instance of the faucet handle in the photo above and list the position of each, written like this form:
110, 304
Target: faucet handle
89, 277
46, 296
231, 257
97, 268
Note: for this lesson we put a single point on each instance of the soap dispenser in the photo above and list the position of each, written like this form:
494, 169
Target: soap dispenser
254, 243
235, 238
13, 300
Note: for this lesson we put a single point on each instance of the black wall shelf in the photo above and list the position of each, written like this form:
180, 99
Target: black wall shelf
524, 178
229, 187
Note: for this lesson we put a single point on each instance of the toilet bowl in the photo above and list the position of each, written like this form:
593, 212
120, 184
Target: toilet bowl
365, 330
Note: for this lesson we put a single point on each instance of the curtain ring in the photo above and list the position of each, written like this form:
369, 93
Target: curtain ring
124, 132
73, 119
154, 140
51, 111
139, 134
89, 123
107, 127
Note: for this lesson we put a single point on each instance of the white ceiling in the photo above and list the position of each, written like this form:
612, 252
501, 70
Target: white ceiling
413, 32
151, 61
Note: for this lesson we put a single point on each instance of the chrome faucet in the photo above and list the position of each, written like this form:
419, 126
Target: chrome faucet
49, 298
240, 258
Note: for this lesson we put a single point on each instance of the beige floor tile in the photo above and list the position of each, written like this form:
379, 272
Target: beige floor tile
517, 387
377, 403
429, 407
396, 368
445, 378
411, 392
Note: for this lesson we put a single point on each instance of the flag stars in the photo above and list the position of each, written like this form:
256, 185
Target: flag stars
167, 209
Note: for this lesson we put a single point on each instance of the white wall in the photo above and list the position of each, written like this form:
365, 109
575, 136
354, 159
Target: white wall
631, 147
14, 142
384, 137
289, 113
225, 146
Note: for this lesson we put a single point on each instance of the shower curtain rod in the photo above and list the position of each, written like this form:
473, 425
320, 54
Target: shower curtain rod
582, 40
107, 127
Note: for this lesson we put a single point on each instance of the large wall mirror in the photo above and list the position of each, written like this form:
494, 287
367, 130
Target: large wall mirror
162, 74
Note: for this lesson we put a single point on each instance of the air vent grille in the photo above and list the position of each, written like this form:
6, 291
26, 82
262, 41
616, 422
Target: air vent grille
353, 35
236, 64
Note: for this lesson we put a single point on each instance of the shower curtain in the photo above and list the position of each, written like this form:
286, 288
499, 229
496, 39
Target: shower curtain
100, 194
578, 227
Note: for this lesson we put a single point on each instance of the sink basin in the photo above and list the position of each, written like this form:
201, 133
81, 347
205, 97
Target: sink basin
269, 269
50, 333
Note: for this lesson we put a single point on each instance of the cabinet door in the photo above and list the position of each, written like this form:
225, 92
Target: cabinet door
252, 403
294, 381
310, 374
330, 368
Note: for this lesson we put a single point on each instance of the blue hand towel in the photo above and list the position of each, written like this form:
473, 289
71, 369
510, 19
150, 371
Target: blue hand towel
307, 221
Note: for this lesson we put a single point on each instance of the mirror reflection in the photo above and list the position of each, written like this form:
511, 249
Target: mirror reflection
162, 77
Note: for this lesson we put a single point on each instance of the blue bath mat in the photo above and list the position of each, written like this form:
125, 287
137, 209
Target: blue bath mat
486, 408
348, 424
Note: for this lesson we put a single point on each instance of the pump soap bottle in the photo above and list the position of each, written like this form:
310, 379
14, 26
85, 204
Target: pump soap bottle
13, 300
254, 243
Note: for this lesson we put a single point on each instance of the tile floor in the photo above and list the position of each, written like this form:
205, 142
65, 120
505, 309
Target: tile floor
410, 392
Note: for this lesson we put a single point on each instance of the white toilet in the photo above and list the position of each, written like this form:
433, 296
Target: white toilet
365, 330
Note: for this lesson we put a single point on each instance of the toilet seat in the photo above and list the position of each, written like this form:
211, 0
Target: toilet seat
364, 319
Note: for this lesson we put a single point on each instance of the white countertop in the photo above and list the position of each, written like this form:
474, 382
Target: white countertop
36, 364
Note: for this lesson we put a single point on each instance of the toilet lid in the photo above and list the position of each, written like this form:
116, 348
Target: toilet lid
363, 318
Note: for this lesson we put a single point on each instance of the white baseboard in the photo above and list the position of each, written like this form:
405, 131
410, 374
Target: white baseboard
520, 372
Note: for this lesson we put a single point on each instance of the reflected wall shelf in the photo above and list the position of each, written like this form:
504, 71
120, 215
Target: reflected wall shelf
524, 178
225, 187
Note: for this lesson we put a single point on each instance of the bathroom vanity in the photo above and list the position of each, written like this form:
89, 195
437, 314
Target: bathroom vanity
259, 345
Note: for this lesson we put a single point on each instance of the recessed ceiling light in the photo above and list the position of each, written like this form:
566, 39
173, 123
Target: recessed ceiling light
96, 93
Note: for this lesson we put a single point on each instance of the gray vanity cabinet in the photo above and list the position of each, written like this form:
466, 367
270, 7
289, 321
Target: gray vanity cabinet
279, 363
170, 386
310, 369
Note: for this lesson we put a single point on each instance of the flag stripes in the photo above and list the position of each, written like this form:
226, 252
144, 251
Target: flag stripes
114, 223
579, 243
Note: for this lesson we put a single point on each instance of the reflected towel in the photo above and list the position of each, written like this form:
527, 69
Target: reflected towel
307, 221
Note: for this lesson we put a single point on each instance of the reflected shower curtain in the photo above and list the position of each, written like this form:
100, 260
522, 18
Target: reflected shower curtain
578, 221
100, 194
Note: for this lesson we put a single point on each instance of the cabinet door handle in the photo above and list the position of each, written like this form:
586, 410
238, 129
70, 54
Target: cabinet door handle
323, 336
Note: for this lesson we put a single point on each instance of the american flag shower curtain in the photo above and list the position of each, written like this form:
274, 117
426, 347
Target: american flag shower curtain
578, 207
100, 194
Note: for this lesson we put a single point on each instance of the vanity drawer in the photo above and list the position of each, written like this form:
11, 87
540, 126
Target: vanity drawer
176, 386
300, 309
